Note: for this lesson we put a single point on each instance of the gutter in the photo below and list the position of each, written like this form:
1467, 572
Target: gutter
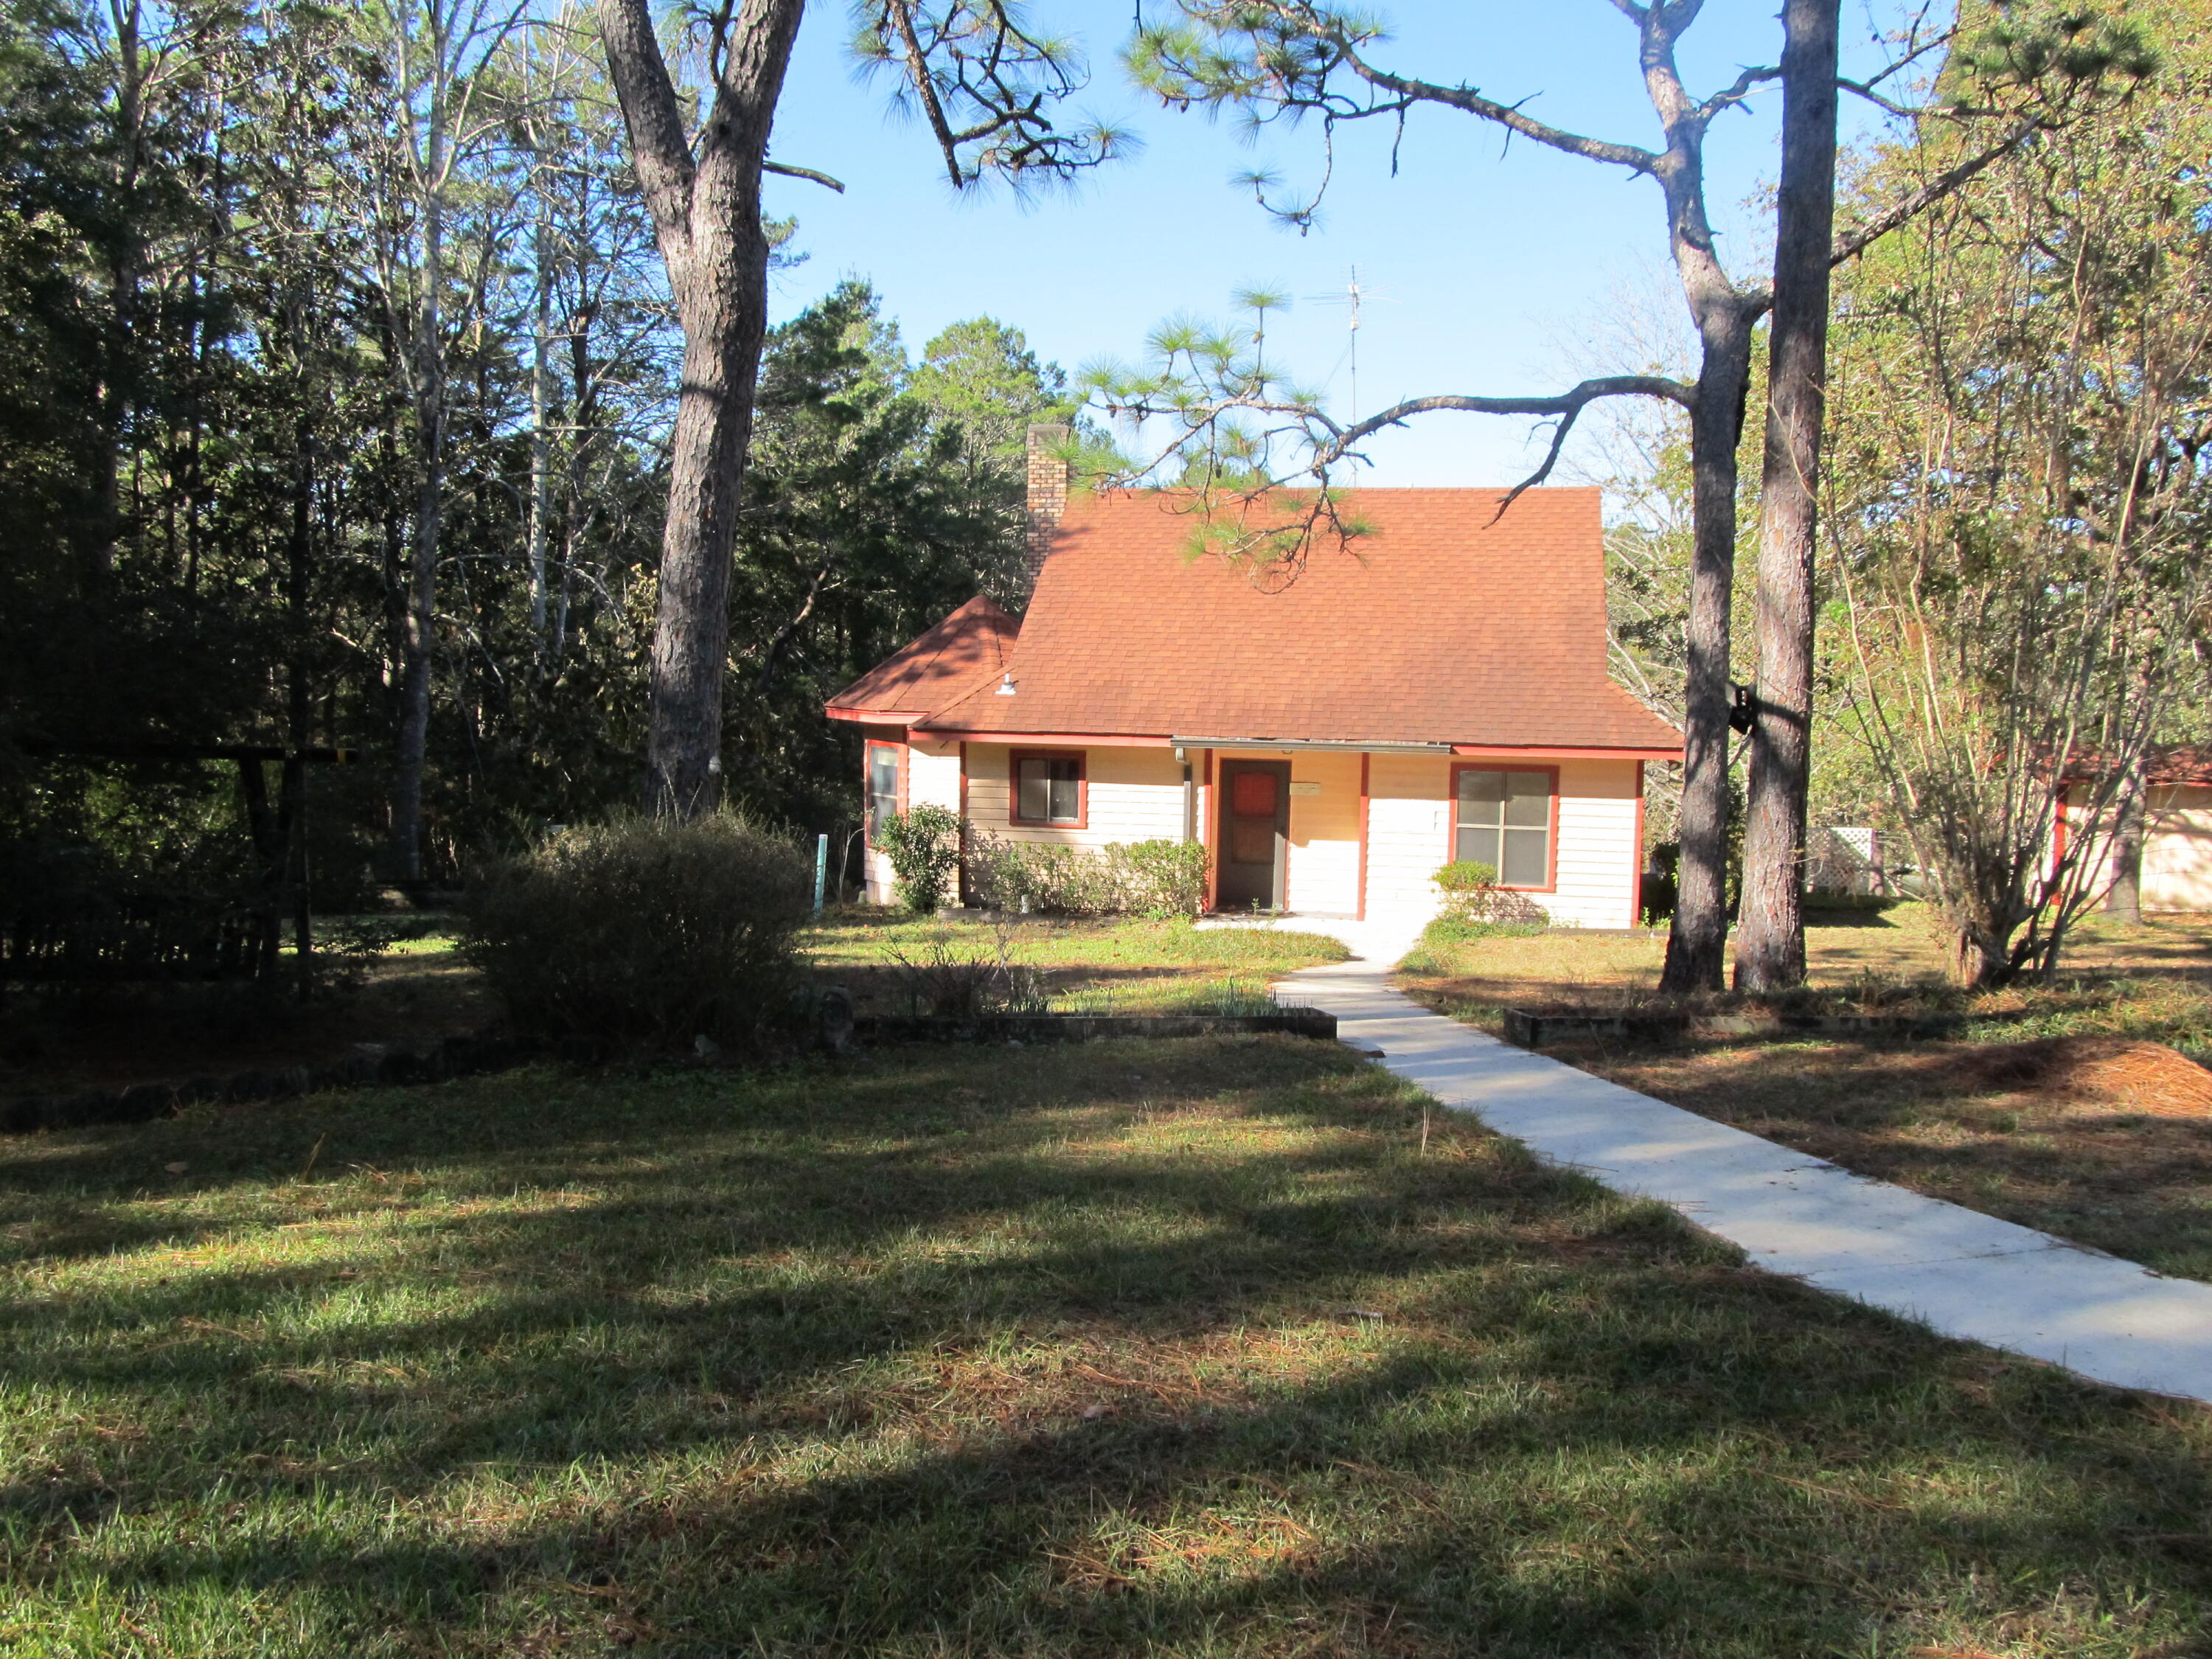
1310, 743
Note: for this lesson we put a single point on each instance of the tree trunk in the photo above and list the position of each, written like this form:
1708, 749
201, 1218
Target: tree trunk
300, 723
706, 212
125, 273
2124, 899
1769, 951
1697, 947
421, 638
541, 443
724, 317
429, 399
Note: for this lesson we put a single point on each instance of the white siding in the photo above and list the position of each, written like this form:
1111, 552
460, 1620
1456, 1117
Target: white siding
933, 776
1132, 794
1598, 854
1136, 795
2177, 849
1409, 839
1408, 834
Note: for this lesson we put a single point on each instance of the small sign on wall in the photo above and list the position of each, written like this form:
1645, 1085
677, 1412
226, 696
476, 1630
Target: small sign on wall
1305, 788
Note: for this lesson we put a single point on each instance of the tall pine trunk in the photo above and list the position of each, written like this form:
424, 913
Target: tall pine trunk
420, 628
541, 441
705, 203
1697, 946
724, 311
2124, 898
1770, 942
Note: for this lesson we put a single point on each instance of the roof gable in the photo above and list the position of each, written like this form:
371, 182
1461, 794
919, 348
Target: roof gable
966, 651
1448, 623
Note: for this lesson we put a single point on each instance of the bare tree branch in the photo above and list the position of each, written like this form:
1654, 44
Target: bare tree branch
1736, 91
1855, 242
789, 172
1509, 116
1569, 403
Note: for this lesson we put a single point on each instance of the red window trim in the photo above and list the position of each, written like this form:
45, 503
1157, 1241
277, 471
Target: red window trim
867, 767
1014, 759
1551, 834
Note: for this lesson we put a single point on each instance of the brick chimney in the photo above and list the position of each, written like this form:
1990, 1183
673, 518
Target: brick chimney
1048, 495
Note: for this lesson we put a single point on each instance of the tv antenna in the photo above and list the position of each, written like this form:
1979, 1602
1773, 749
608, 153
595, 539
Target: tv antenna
1354, 295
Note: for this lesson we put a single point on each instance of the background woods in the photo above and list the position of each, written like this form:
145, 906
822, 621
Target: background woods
334, 414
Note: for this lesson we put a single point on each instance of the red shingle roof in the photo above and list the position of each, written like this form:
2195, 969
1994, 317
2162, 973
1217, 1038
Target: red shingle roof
966, 651
1440, 627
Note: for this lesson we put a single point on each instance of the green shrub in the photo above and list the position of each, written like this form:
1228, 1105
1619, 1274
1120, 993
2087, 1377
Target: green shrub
644, 933
1468, 876
1156, 878
1476, 907
1165, 879
923, 844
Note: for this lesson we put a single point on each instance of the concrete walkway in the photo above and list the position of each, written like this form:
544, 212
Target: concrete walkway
1963, 1273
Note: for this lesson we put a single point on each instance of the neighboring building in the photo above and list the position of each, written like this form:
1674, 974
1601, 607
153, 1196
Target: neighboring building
2177, 845
1437, 690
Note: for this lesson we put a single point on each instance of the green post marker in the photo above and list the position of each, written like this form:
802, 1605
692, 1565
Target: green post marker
821, 867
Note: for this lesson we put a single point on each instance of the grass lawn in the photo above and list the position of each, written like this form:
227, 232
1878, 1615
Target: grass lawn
1103, 965
1207, 1347
1927, 1115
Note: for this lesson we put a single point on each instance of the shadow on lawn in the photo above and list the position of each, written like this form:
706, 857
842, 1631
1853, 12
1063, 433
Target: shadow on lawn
1063, 1351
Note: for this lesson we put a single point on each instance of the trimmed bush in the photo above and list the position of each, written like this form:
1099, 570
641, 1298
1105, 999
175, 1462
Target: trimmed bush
1156, 878
923, 844
1164, 879
646, 933
1476, 907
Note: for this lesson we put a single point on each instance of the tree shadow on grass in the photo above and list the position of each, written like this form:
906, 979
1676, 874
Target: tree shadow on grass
1135, 1347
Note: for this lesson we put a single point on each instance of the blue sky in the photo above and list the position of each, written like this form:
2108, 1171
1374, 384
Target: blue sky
1490, 272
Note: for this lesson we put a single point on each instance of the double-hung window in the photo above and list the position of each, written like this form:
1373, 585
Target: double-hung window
1504, 820
1049, 789
883, 787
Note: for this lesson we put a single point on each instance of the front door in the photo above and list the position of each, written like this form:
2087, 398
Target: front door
1256, 831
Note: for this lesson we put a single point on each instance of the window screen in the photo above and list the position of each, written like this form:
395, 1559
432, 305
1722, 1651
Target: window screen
1049, 789
1505, 822
883, 787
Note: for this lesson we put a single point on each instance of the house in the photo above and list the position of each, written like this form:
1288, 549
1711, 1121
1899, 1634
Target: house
1435, 689
2176, 874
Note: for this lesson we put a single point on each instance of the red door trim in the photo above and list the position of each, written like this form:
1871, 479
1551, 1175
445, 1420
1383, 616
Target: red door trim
1206, 838
1360, 915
